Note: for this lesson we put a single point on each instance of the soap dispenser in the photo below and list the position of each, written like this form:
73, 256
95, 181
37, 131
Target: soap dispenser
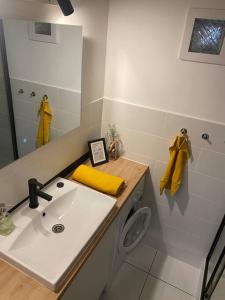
6, 223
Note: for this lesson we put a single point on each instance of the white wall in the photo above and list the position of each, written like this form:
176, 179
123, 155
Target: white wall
151, 94
57, 64
47, 161
143, 67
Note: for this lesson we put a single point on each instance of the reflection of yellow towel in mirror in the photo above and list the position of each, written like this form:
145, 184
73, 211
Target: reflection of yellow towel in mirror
45, 114
179, 154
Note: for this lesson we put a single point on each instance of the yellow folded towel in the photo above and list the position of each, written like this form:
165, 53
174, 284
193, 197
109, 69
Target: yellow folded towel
98, 180
179, 154
45, 114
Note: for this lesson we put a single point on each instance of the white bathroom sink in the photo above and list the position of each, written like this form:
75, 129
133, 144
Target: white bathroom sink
44, 254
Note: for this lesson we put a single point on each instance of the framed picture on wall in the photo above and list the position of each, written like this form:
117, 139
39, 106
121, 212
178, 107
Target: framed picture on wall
204, 34
43, 32
98, 152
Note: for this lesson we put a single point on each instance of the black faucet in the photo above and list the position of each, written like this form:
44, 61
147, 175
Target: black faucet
34, 192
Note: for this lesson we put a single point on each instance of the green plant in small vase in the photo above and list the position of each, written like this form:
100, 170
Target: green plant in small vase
114, 142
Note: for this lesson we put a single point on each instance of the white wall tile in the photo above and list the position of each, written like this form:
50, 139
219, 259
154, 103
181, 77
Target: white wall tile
173, 123
25, 128
16, 86
25, 148
55, 133
41, 90
133, 117
209, 188
146, 147
212, 164
192, 200
91, 112
65, 121
146, 160
28, 87
24, 109
70, 101
188, 222
65, 106
144, 144
185, 222
195, 154
204, 186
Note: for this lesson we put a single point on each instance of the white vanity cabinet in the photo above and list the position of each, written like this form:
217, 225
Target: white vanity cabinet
102, 266
92, 278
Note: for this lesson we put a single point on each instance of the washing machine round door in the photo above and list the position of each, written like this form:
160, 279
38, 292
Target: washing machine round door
134, 230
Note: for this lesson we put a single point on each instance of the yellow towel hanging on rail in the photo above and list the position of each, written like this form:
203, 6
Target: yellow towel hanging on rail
45, 114
179, 154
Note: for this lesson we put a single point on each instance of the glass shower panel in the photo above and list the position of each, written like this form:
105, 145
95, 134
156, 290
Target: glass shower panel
6, 145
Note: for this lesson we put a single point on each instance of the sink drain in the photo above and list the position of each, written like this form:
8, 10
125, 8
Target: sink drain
58, 228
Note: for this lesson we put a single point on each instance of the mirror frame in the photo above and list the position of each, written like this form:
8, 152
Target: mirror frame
206, 284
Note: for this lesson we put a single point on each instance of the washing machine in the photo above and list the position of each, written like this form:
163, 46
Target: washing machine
130, 226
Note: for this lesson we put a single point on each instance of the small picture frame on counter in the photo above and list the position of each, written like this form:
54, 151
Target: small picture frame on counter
98, 152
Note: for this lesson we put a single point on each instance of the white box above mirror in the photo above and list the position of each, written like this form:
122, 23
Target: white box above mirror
43, 59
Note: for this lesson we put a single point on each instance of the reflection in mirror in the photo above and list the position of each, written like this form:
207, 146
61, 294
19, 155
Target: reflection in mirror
44, 81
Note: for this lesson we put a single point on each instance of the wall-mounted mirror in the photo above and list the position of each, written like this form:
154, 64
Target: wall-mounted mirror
40, 85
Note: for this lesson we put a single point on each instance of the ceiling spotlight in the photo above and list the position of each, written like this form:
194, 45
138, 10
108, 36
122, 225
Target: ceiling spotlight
66, 7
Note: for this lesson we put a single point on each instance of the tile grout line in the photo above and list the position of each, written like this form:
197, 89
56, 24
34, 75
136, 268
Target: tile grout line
136, 267
147, 276
152, 108
149, 270
139, 268
171, 285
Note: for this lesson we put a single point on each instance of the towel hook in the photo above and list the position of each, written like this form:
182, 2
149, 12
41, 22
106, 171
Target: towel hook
205, 136
32, 94
183, 131
21, 91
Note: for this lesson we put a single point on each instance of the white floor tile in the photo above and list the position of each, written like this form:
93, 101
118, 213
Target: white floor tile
176, 273
127, 284
158, 290
142, 257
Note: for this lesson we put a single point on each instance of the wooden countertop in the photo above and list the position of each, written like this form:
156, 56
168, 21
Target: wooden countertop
15, 285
